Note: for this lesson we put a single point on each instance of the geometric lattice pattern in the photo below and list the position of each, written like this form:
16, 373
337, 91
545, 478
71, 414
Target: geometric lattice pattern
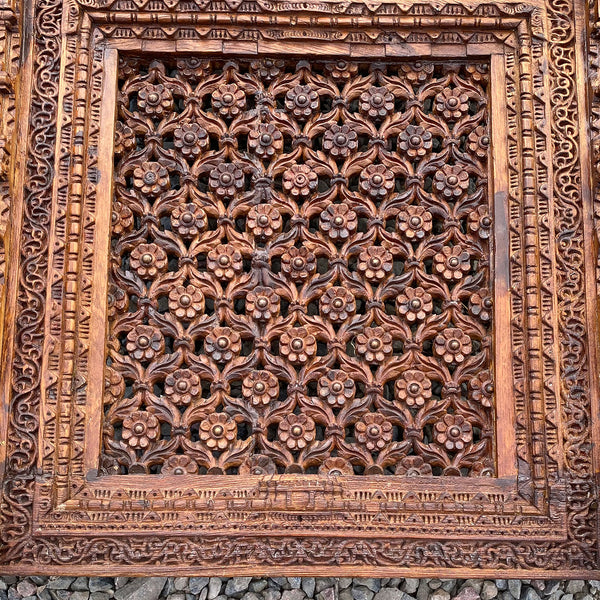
300, 269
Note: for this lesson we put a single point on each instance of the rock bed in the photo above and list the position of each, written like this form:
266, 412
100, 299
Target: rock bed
290, 588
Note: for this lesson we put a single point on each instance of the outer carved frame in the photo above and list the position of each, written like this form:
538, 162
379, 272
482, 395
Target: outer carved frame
539, 518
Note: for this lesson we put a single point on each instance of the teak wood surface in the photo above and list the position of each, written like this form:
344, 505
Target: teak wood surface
301, 288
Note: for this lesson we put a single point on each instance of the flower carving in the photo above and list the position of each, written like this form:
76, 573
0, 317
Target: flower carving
121, 218
341, 70
190, 139
264, 221
298, 263
336, 388
452, 103
223, 344
229, 100
338, 221
117, 300
182, 386
193, 69
376, 103
453, 432
481, 304
151, 178
335, 466
478, 142
413, 466
374, 431
415, 141
337, 304
451, 182
302, 101
258, 464
298, 345
265, 141
144, 342
375, 263
413, 388
139, 429
299, 181
188, 220
260, 388
452, 263
225, 180
155, 100
296, 431
480, 222
453, 345
224, 261
377, 181
124, 138
414, 304
148, 260
414, 222
374, 344
482, 388
186, 302
179, 464
339, 141
267, 69
217, 431
262, 304
114, 384
417, 72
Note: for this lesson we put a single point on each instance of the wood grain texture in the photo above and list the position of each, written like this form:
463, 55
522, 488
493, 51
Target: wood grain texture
230, 208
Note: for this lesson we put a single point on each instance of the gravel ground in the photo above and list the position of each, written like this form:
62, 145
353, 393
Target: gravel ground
290, 588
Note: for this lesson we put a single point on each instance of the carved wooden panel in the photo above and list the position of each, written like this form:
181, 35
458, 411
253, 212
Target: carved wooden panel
299, 288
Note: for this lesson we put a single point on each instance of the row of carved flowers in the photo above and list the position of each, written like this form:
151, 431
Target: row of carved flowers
260, 388
299, 345
229, 100
337, 304
218, 431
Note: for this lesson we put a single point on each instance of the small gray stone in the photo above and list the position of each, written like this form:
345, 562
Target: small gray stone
467, 593
514, 587
176, 596
39, 580
79, 595
148, 588
26, 587
343, 582
237, 585
60, 594
501, 584
389, 593
345, 595
3, 595
180, 583
295, 594
279, 581
476, 584
100, 596
272, 594
395, 582
60, 583
100, 584
439, 594
120, 582
373, 584
434, 584
551, 587
197, 584
362, 592
531, 594
30, 598
423, 591
326, 594
295, 582
595, 583
567, 597
488, 590
258, 585
574, 586
3, 585
449, 585
81, 584
214, 587
556, 595
325, 582
308, 586
251, 596
13, 594
44, 594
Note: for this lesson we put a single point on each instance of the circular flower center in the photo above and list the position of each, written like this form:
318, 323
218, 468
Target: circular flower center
454, 344
178, 471
263, 220
297, 344
489, 388
374, 344
337, 387
224, 260
143, 341
259, 387
217, 430
415, 303
302, 100
335, 472
486, 221
300, 180
415, 221
415, 140
338, 303
376, 262
139, 428
114, 217
226, 178
153, 98
487, 303
452, 102
340, 139
377, 100
485, 140
454, 431
298, 262
453, 262
374, 431
147, 258
227, 98
414, 388
341, 65
262, 302
185, 300
187, 217
182, 385
377, 179
222, 342
297, 430
189, 138
412, 472
149, 177
452, 180
265, 139
338, 221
